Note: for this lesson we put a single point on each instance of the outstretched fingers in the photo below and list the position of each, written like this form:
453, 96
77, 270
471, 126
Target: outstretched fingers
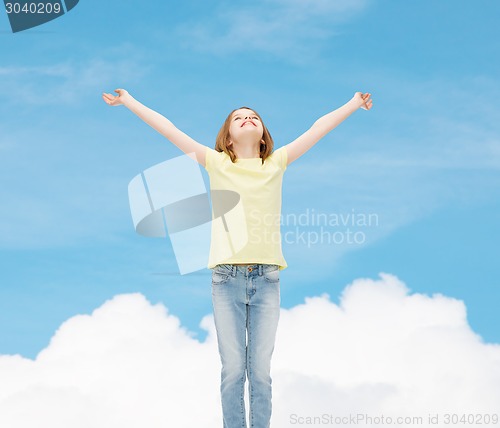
109, 98
366, 101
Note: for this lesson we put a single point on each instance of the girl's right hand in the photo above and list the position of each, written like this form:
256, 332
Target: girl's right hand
113, 100
363, 100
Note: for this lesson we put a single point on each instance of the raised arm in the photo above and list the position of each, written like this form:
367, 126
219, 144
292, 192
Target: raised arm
325, 124
159, 123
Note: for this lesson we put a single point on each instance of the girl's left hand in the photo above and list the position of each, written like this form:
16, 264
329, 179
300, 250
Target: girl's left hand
363, 100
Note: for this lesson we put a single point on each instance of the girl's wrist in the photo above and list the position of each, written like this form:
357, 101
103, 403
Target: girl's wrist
128, 100
354, 103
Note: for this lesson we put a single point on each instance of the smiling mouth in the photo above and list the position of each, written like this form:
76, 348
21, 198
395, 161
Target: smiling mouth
248, 121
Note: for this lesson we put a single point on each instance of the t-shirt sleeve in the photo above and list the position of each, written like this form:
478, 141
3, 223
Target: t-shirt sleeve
210, 158
281, 157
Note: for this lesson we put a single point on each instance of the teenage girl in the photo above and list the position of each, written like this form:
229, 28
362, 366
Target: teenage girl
245, 253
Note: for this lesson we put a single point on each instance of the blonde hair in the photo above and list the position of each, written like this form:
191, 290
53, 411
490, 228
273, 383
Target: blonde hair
221, 142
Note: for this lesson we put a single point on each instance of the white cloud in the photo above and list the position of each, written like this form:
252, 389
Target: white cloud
382, 350
290, 29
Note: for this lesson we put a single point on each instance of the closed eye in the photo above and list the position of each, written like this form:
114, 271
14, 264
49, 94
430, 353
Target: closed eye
253, 117
240, 117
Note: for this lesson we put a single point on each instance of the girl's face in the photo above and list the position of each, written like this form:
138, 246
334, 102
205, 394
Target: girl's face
245, 124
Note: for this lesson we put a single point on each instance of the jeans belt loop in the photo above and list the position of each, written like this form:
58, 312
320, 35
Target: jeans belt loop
233, 270
261, 269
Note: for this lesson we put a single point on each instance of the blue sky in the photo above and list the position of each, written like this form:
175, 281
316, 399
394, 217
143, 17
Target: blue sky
425, 159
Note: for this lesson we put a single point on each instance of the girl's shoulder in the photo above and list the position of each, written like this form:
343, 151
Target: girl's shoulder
213, 157
280, 157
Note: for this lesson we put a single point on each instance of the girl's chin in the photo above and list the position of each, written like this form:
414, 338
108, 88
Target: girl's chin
252, 133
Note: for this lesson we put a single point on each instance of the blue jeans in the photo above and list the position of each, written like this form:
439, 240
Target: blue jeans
246, 301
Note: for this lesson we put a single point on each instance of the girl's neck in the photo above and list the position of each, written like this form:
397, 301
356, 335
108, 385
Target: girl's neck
246, 152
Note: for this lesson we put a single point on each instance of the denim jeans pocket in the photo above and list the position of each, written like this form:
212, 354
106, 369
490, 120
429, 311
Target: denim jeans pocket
221, 274
272, 273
